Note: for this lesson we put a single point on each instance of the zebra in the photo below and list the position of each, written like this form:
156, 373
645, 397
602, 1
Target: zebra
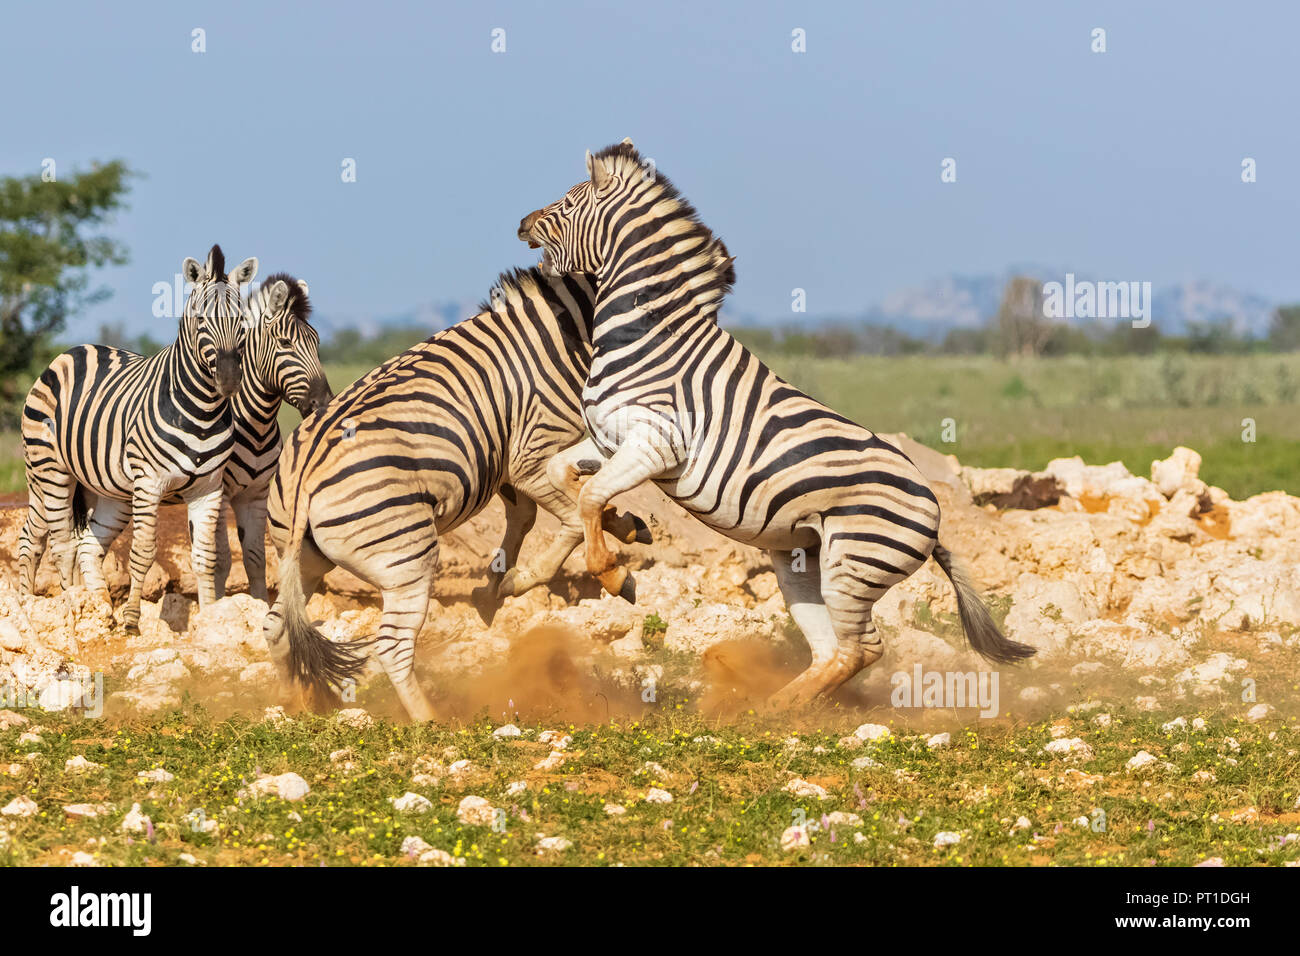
673, 398
108, 435
281, 363
490, 406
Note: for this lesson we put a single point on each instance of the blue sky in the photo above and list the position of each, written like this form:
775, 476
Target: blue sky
821, 170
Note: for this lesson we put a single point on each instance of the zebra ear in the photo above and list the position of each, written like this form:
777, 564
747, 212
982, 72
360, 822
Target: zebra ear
627, 141
601, 175
303, 285
278, 296
245, 272
191, 270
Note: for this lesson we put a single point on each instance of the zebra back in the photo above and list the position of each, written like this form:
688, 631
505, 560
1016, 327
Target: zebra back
445, 423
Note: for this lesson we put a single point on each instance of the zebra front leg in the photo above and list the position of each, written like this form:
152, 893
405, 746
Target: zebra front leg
145, 497
221, 546
542, 568
107, 519
521, 513
646, 453
250, 520
204, 511
552, 493
569, 470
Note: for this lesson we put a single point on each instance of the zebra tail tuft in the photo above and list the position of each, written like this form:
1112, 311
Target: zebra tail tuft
316, 663
80, 513
981, 630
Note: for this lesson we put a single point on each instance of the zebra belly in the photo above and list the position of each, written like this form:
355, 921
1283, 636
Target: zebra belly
750, 526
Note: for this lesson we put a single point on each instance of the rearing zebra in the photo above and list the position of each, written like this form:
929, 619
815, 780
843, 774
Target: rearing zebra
673, 398
415, 448
108, 435
281, 363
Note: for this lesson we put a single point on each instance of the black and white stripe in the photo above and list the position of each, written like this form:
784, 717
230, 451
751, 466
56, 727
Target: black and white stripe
489, 406
108, 435
281, 364
673, 398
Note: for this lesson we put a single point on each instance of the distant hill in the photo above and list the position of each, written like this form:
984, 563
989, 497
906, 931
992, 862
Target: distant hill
928, 310
955, 301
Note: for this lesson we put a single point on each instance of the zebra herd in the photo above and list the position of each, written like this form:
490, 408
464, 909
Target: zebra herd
614, 333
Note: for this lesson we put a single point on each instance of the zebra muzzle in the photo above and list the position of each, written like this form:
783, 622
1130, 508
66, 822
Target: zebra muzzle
227, 369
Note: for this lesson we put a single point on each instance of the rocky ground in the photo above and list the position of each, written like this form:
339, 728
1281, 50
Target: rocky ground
1154, 590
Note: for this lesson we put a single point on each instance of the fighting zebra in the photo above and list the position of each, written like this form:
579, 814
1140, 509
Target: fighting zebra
415, 448
281, 363
673, 398
108, 435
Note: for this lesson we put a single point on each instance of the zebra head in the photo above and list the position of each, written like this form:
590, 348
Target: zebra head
282, 348
573, 232
213, 323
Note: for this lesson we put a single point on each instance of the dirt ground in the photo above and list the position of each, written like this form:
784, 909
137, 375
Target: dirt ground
1153, 591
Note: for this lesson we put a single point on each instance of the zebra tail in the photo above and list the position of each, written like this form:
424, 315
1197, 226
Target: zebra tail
80, 513
982, 631
316, 663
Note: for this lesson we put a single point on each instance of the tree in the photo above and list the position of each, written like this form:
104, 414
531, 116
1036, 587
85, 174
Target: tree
1021, 328
49, 241
1284, 329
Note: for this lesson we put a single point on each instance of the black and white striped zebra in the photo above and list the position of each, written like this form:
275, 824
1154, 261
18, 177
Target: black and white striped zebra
281, 364
673, 398
489, 406
108, 435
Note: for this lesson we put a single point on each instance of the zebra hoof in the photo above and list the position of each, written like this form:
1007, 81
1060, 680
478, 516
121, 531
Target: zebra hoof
509, 584
641, 531
487, 602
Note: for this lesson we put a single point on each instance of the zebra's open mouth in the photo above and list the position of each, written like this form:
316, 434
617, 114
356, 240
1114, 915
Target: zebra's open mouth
547, 264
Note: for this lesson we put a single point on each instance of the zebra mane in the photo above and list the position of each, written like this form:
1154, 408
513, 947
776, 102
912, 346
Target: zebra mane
625, 155
218, 260
523, 280
299, 306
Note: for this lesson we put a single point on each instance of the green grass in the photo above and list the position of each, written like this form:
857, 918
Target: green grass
1024, 414
729, 803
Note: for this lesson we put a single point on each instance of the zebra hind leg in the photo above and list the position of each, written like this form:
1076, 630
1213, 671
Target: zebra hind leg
250, 521
834, 658
312, 566
31, 546
403, 616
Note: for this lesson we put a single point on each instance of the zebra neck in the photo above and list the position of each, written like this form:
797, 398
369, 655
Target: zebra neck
188, 374
256, 407
641, 311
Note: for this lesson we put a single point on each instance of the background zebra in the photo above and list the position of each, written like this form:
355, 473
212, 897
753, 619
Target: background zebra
281, 363
107, 435
672, 397
420, 445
